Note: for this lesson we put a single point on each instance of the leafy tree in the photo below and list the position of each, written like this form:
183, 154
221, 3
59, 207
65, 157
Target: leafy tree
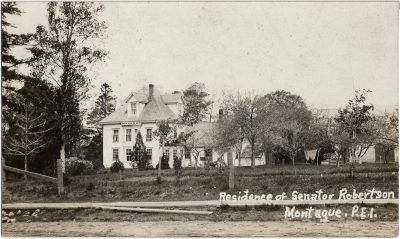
196, 105
387, 132
165, 133
240, 117
64, 52
286, 117
228, 135
356, 119
139, 154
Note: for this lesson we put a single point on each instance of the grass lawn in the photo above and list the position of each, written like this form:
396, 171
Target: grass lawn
203, 184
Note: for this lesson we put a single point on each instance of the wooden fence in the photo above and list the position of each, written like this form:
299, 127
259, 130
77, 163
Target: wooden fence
58, 180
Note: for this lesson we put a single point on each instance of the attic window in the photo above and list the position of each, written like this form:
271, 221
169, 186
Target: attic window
133, 108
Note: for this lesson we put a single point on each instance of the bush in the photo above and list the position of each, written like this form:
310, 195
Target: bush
75, 166
164, 163
117, 166
90, 187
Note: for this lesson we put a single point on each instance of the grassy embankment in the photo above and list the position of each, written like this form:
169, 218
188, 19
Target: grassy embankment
202, 184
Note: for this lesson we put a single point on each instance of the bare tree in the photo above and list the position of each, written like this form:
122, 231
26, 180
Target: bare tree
28, 137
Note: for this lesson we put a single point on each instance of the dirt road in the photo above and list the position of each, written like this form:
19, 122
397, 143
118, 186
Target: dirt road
203, 228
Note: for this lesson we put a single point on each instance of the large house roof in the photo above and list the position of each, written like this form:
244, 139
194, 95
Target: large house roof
154, 110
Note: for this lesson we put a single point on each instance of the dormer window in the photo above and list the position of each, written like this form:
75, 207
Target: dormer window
133, 108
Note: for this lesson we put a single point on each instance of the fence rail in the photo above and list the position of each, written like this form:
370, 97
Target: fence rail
31, 174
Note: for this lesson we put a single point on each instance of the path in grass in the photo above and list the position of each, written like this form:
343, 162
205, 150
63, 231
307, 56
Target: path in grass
203, 229
207, 203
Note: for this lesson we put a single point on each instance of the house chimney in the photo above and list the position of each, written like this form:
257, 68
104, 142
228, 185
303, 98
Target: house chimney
220, 115
151, 92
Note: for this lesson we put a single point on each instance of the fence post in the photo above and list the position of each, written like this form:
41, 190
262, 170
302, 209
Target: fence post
3, 176
60, 177
231, 178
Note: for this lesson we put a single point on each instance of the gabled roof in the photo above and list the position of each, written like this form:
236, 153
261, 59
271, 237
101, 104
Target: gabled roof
141, 97
154, 110
119, 115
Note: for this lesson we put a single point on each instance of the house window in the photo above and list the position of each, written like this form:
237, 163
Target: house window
133, 108
202, 156
175, 152
149, 135
188, 154
128, 154
115, 154
115, 136
167, 153
135, 132
128, 135
180, 152
149, 152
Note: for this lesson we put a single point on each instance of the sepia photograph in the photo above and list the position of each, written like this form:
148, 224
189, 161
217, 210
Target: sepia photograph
200, 119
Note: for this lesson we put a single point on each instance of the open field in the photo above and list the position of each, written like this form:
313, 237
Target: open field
203, 229
203, 184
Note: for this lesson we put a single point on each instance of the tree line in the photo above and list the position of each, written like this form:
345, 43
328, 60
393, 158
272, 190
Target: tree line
280, 125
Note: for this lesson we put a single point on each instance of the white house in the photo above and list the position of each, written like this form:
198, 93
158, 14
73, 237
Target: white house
139, 112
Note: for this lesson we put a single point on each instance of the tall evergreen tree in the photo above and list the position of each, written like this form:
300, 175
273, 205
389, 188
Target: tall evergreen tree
9, 63
139, 154
105, 105
196, 104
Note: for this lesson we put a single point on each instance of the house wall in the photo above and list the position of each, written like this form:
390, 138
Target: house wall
369, 156
153, 144
180, 151
121, 145
244, 161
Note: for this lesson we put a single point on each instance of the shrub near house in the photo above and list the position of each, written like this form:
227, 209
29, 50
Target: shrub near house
75, 166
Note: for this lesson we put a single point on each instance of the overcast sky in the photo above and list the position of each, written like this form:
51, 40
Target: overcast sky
321, 51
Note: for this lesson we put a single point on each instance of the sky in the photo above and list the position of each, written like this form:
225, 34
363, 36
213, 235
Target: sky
322, 51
